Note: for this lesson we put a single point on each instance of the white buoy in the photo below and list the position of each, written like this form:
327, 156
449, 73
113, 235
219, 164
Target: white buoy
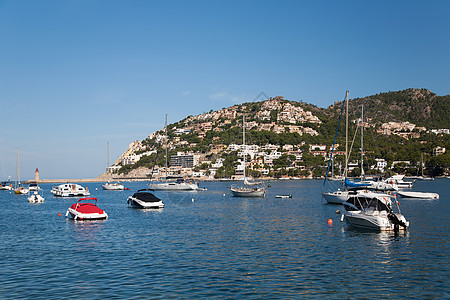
192, 199
224, 195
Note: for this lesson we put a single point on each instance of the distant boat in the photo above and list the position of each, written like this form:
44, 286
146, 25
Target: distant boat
172, 183
398, 180
422, 165
113, 186
70, 190
247, 189
283, 196
18, 188
6, 186
418, 195
35, 196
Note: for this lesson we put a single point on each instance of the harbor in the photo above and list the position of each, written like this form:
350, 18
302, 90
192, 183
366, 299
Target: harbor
207, 244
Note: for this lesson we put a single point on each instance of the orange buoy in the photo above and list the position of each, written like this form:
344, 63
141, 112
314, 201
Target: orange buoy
330, 222
59, 214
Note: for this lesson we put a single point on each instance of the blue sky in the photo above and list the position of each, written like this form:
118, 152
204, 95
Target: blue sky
77, 74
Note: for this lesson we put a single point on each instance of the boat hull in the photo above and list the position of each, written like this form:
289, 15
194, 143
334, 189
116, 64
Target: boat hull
419, 195
335, 197
85, 216
248, 192
169, 186
113, 187
379, 223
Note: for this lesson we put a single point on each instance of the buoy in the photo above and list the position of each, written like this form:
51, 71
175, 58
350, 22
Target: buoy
96, 189
59, 214
330, 222
192, 199
224, 195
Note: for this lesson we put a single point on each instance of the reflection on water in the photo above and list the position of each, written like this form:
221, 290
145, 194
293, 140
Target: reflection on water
205, 244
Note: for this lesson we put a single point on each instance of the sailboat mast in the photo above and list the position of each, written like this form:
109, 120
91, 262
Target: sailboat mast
17, 168
243, 141
166, 143
362, 139
346, 135
107, 163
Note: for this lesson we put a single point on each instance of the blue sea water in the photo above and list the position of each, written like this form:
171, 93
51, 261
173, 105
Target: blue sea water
210, 245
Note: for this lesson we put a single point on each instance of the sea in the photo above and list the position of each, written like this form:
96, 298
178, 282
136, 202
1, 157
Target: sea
208, 244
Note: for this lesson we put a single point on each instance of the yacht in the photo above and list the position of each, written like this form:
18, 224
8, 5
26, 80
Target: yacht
33, 187
374, 211
398, 180
70, 190
144, 199
113, 186
6, 186
174, 183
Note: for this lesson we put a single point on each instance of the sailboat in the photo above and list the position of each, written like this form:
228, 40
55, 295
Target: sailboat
339, 196
18, 188
422, 165
247, 189
173, 183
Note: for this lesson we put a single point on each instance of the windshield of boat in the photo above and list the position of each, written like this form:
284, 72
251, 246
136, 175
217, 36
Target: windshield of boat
365, 203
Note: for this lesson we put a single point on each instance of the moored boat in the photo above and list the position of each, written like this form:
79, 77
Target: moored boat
35, 196
70, 190
85, 210
144, 199
113, 186
418, 195
374, 211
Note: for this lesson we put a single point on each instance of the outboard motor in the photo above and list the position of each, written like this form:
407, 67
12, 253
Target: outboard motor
396, 221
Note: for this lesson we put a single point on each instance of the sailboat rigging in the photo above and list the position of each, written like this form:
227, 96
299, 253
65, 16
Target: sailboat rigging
247, 189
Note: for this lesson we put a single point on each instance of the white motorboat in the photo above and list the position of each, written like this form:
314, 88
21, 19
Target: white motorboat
174, 183
6, 186
418, 195
247, 189
398, 180
144, 199
113, 186
85, 210
336, 197
70, 190
374, 211
33, 187
35, 196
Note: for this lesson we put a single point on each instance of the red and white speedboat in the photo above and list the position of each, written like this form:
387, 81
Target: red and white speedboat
85, 210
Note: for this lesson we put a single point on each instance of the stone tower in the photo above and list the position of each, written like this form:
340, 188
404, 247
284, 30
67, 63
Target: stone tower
36, 175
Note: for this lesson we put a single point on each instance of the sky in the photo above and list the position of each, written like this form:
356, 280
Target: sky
75, 75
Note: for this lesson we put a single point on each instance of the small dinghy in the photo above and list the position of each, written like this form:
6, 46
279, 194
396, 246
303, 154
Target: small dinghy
418, 195
283, 196
85, 210
144, 199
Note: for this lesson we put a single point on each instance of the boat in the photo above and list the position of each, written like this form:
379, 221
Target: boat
35, 196
398, 180
418, 195
70, 190
283, 196
338, 196
85, 210
144, 199
172, 183
18, 188
113, 186
374, 211
33, 187
6, 185
247, 189
421, 177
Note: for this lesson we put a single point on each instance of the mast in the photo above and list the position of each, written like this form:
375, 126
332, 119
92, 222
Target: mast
362, 139
346, 135
17, 168
166, 144
107, 162
243, 141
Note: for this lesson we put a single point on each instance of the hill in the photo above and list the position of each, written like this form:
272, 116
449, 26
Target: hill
294, 138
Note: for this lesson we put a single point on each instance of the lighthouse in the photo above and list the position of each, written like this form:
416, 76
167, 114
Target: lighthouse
36, 175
